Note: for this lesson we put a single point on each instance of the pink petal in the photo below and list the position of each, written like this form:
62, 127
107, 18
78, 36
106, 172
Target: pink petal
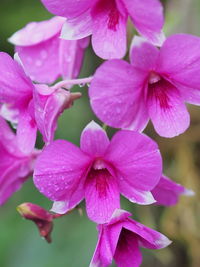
47, 57
103, 254
108, 239
41, 61
109, 30
147, 237
101, 195
37, 32
147, 16
143, 55
127, 253
179, 60
190, 95
119, 215
9, 113
48, 108
167, 111
167, 192
94, 140
78, 27
71, 55
116, 95
59, 169
14, 165
11, 179
135, 195
72, 199
26, 133
137, 161
15, 87
68, 8
8, 139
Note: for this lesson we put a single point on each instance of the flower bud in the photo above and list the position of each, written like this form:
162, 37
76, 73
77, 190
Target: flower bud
41, 217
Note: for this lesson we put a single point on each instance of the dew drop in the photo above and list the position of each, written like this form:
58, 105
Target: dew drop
38, 63
29, 59
81, 84
68, 59
44, 54
118, 110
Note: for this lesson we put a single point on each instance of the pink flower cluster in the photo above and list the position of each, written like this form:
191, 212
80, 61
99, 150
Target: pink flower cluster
154, 86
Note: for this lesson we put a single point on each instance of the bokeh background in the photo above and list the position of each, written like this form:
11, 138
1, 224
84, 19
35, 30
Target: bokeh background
74, 236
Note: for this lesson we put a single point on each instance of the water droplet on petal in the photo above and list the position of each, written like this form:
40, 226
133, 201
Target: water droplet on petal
38, 63
43, 54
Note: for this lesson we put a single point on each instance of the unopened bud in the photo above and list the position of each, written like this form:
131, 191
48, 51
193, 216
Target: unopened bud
41, 217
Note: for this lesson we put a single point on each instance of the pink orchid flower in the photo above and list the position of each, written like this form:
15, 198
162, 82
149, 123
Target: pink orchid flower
106, 21
120, 239
99, 171
154, 86
167, 192
32, 106
45, 56
15, 166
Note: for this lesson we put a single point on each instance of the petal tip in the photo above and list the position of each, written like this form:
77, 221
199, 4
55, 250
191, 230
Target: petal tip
60, 207
188, 192
163, 242
119, 213
137, 41
93, 126
159, 39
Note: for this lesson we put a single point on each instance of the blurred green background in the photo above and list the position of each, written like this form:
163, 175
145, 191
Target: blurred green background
74, 236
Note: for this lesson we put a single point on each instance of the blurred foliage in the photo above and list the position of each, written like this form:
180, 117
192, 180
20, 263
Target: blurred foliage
74, 236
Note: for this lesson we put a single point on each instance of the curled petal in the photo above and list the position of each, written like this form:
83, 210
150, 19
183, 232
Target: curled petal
48, 108
167, 192
26, 132
127, 253
147, 237
36, 32
104, 251
71, 55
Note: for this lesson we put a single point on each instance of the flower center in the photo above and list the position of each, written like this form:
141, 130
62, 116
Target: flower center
101, 179
109, 9
99, 176
98, 164
113, 19
154, 77
157, 88
127, 241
